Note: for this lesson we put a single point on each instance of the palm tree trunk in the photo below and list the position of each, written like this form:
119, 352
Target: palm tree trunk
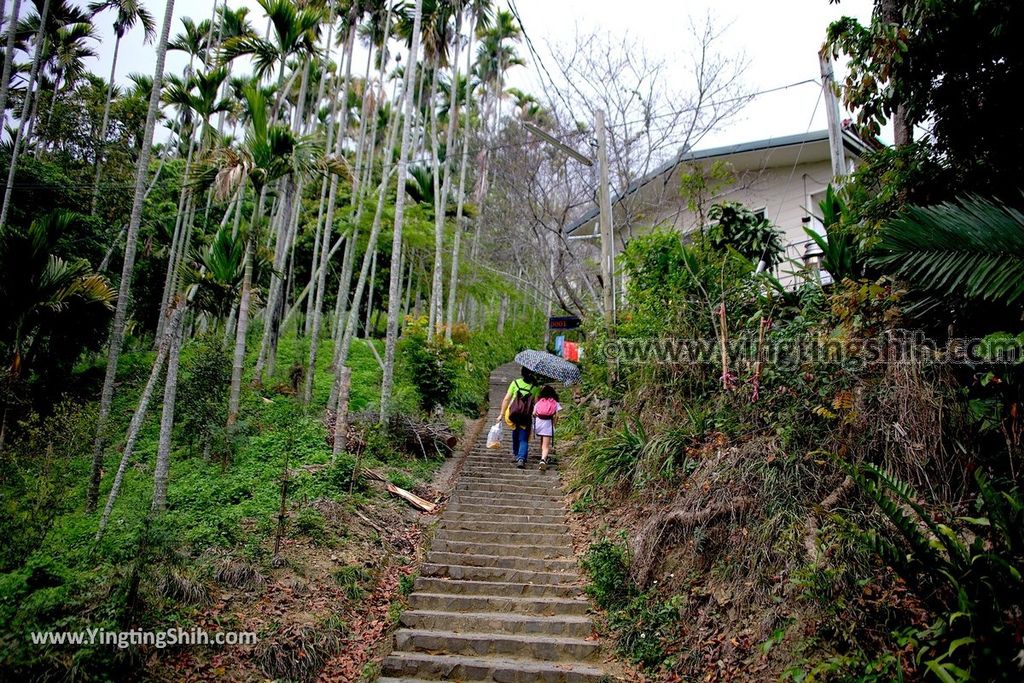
434, 316
101, 147
12, 29
347, 267
321, 91
273, 314
30, 121
307, 326
453, 281
281, 227
176, 238
49, 113
314, 341
394, 305
351, 319
121, 311
238, 360
369, 296
140, 414
324, 185
33, 76
306, 291
357, 193
314, 334
339, 312
411, 259
163, 453
183, 248
313, 282
502, 314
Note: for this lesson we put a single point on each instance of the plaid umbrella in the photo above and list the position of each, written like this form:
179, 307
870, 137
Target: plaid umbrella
549, 365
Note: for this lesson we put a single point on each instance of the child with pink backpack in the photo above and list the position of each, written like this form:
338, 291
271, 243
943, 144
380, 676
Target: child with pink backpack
545, 414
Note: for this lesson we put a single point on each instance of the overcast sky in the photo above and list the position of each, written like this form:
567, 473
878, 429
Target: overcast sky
780, 40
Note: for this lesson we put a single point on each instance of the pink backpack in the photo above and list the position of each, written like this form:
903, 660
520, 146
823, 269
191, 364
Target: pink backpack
546, 408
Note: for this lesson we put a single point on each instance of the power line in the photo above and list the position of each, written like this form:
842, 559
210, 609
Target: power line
540, 62
800, 150
716, 103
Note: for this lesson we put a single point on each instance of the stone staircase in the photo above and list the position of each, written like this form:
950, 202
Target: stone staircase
499, 597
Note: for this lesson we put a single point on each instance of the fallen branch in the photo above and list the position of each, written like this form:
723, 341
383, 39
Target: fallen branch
369, 523
409, 497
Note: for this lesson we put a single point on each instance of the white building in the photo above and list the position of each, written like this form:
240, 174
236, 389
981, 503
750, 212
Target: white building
784, 179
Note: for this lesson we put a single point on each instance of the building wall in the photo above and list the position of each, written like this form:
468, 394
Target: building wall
786, 194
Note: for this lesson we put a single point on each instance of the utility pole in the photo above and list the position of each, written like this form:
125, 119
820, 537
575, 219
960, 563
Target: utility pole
835, 126
605, 209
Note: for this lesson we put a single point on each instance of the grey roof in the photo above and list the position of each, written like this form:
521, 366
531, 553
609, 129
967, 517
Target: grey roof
852, 142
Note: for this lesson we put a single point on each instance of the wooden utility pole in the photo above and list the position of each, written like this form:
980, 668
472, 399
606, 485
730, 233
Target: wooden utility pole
835, 126
605, 209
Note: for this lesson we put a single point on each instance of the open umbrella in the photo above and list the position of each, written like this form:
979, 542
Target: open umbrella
549, 365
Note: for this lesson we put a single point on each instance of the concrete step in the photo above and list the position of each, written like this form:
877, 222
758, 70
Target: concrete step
502, 562
428, 584
496, 622
532, 469
468, 572
465, 668
499, 550
507, 524
544, 648
505, 538
516, 488
527, 477
504, 463
469, 516
494, 507
519, 501
442, 602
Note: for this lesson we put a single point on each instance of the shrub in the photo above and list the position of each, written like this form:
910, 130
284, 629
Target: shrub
643, 623
607, 565
201, 408
737, 227
433, 365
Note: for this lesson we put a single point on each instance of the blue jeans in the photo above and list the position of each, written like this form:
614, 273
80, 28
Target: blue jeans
520, 442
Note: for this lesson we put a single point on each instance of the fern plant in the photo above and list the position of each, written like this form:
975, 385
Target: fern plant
971, 574
972, 249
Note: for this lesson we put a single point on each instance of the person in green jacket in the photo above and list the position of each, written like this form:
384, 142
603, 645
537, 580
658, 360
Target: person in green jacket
517, 410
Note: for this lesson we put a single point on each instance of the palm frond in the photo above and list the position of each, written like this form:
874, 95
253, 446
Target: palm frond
263, 53
971, 249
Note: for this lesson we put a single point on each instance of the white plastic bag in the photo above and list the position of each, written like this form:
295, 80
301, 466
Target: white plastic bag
494, 436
